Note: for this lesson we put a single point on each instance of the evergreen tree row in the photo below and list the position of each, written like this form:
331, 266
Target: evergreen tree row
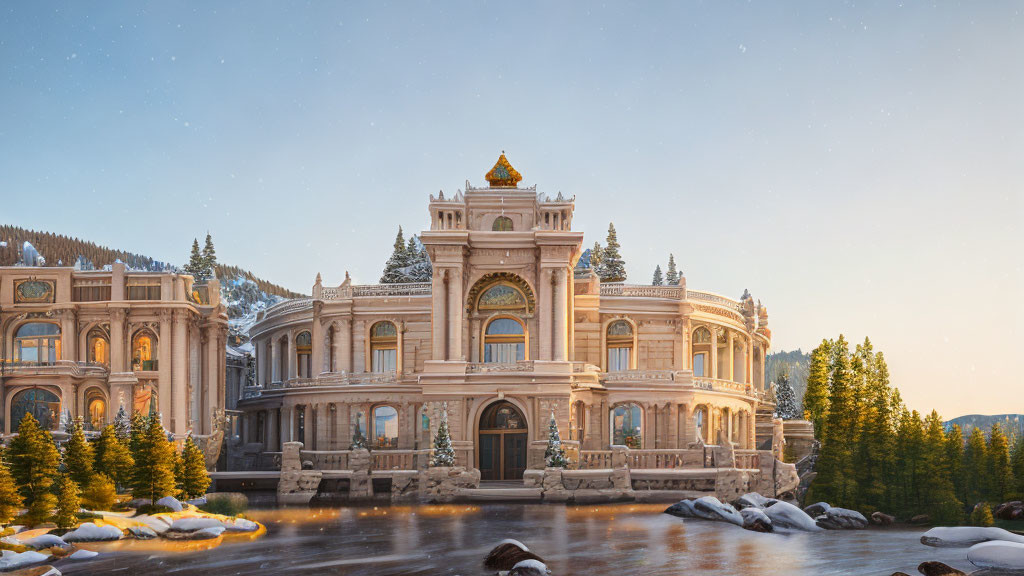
671, 276
202, 265
877, 455
409, 262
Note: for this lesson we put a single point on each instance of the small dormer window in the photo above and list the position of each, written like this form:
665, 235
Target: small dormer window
502, 224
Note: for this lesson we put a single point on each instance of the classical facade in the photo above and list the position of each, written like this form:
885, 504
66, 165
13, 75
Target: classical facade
85, 343
509, 332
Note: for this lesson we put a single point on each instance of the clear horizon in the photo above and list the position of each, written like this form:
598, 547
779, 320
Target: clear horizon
857, 168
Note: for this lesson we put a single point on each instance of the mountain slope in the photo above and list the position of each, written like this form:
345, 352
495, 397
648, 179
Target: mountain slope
1012, 424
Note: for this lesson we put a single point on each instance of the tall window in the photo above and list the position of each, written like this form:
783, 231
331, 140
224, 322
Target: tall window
698, 364
144, 351
620, 345
383, 347
303, 354
700, 422
332, 364
98, 347
504, 341
37, 342
97, 411
385, 427
42, 404
627, 425
502, 224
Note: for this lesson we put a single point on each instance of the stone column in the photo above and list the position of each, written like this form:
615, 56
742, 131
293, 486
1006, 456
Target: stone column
117, 343
344, 345
571, 315
455, 314
275, 363
179, 374
545, 314
732, 358
163, 387
561, 334
673, 426
438, 318
292, 364
713, 371
316, 358
69, 335
214, 351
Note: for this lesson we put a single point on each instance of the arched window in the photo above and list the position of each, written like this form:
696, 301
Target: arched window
701, 345
303, 354
37, 342
42, 404
502, 224
98, 347
700, 422
144, 351
620, 346
96, 408
504, 341
627, 426
383, 347
385, 427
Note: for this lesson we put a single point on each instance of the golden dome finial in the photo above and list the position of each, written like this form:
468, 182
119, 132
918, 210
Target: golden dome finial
503, 175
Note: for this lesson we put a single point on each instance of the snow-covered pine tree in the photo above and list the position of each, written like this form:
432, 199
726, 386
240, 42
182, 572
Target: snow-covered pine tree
554, 454
595, 258
613, 268
419, 269
444, 454
658, 279
398, 263
196, 267
122, 425
672, 274
209, 259
785, 398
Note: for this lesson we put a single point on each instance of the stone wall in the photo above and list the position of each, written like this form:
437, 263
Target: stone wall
443, 484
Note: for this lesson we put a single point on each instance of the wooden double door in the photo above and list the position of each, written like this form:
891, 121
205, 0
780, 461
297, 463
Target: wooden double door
502, 443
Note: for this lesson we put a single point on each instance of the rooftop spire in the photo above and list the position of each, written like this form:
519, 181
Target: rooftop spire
503, 175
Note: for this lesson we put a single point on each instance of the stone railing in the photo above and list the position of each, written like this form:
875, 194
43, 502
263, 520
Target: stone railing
410, 289
642, 291
719, 385
488, 368
287, 307
660, 459
713, 298
326, 459
748, 459
336, 379
56, 368
595, 459
400, 459
639, 375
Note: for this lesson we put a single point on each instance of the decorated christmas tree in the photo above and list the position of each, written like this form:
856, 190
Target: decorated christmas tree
612, 268
785, 399
658, 279
672, 274
554, 454
444, 454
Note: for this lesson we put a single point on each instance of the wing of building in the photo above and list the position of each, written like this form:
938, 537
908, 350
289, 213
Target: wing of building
508, 332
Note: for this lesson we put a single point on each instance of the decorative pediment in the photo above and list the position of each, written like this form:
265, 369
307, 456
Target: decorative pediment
501, 290
503, 175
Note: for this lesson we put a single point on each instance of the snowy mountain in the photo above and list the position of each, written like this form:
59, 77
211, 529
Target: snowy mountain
1011, 424
796, 363
244, 300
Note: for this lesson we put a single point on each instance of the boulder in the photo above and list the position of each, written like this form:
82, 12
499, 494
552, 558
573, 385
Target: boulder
882, 519
89, 532
45, 541
207, 533
938, 569
142, 532
529, 568
921, 519
194, 523
682, 509
755, 519
842, 519
11, 559
786, 515
752, 500
171, 502
966, 536
197, 502
998, 555
83, 554
711, 508
139, 503
1009, 510
507, 554
900, 574
817, 509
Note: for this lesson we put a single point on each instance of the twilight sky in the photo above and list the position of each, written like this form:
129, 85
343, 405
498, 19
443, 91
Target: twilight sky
858, 166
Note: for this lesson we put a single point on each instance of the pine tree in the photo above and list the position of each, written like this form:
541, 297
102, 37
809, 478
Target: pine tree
34, 459
999, 473
658, 279
113, 457
554, 454
982, 515
595, 258
153, 475
193, 480
938, 494
955, 460
975, 467
1017, 464
444, 454
209, 259
672, 275
11, 500
816, 395
68, 502
874, 454
78, 455
835, 482
100, 493
136, 431
785, 398
612, 268
122, 425
196, 267
398, 263
910, 459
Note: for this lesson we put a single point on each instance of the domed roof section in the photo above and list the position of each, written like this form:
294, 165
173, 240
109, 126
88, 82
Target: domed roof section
503, 175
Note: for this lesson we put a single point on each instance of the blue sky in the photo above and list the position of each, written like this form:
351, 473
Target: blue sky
857, 166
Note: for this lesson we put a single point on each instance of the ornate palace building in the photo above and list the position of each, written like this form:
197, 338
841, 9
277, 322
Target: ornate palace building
85, 343
510, 330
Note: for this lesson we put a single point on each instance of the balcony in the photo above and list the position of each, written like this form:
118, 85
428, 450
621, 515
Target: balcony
499, 368
642, 291
56, 368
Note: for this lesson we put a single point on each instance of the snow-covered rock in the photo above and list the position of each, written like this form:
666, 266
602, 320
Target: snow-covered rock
682, 509
194, 523
515, 542
997, 554
529, 567
817, 509
842, 519
786, 515
171, 502
755, 519
966, 536
507, 554
243, 525
83, 554
45, 541
712, 508
201, 501
11, 559
201, 534
752, 500
158, 524
89, 532
142, 532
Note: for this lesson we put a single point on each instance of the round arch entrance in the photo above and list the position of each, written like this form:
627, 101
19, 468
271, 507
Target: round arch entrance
502, 442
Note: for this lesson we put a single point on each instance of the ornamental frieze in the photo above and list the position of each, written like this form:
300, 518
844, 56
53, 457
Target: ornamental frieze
719, 312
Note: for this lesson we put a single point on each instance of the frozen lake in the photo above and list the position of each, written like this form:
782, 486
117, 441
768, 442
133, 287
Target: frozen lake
626, 539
